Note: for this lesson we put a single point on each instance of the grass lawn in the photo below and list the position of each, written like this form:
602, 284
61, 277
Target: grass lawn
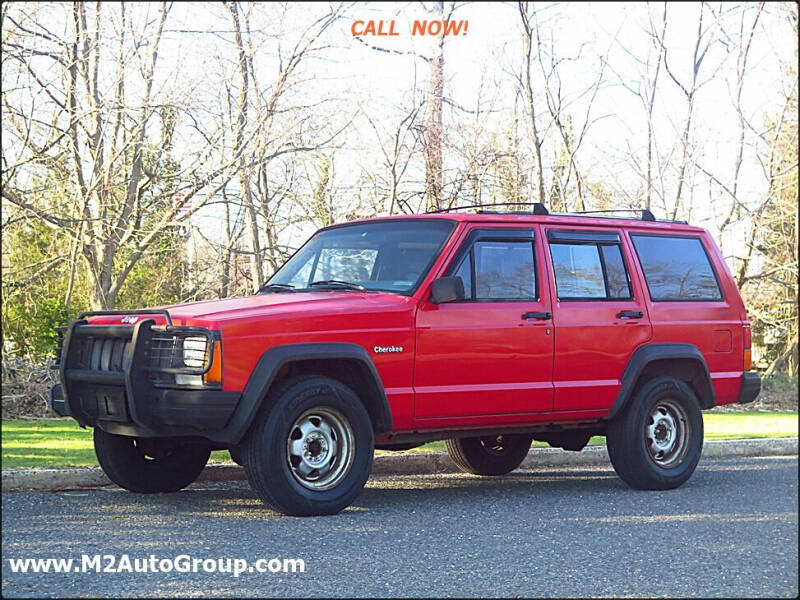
60, 442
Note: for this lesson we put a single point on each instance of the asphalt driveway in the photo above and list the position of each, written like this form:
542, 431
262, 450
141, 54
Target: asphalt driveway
731, 531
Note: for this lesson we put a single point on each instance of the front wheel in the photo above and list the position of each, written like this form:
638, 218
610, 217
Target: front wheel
656, 443
309, 452
489, 455
149, 465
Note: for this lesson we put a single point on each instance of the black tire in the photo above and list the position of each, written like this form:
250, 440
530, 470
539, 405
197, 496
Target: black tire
149, 466
655, 444
237, 455
296, 414
489, 455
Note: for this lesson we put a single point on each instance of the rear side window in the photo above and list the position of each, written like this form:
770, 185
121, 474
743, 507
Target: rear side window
499, 270
676, 268
590, 268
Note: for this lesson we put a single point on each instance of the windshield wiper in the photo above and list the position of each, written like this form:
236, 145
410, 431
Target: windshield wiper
336, 283
276, 287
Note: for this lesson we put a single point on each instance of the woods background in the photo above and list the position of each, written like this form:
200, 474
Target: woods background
158, 153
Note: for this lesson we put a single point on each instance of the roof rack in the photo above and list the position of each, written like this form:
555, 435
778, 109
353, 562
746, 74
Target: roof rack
540, 209
646, 214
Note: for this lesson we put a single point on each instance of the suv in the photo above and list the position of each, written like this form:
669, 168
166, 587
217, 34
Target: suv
486, 329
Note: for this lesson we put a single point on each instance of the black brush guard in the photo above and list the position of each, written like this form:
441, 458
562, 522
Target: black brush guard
125, 379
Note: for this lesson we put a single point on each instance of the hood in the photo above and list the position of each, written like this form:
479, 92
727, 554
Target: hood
279, 303
211, 313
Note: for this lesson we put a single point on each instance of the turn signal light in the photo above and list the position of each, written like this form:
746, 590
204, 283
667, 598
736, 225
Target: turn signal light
748, 353
214, 373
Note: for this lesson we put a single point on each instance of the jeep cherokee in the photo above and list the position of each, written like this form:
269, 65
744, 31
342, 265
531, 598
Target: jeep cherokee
485, 329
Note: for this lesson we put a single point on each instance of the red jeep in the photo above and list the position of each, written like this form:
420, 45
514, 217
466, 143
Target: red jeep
485, 329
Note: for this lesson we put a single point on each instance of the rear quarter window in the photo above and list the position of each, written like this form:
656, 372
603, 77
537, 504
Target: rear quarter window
676, 268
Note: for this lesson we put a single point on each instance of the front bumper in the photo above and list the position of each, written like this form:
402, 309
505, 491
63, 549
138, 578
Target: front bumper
112, 378
751, 387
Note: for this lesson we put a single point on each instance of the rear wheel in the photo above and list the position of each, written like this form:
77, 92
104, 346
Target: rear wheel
310, 451
237, 455
489, 455
656, 443
149, 465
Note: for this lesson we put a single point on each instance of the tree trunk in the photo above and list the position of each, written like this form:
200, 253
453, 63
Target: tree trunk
256, 269
433, 125
527, 41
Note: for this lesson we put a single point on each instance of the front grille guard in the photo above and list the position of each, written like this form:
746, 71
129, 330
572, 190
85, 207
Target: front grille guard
151, 357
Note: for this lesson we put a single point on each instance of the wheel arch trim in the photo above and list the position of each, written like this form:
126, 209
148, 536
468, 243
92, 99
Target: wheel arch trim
273, 360
649, 353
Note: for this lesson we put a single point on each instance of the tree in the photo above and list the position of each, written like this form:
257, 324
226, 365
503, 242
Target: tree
397, 146
87, 128
259, 141
526, 81
431, 128
768, 274
689, 86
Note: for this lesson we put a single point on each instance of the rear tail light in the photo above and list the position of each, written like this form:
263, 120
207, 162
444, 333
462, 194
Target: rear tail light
748, 354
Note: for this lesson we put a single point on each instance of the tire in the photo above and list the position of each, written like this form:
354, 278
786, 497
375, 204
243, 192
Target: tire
489, 455
237, 455
149, 465
656, 443
309, 450
573, 440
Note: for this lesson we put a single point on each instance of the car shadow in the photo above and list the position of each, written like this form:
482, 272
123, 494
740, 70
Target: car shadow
235, 499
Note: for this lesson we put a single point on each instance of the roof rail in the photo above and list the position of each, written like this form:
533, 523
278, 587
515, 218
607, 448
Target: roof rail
646, 214
540, 209
537, 208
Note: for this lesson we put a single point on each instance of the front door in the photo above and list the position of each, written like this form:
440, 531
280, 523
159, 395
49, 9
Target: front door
492, 353
599, 312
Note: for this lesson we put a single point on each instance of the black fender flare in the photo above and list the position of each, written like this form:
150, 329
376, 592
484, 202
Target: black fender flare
271, 362
649, 353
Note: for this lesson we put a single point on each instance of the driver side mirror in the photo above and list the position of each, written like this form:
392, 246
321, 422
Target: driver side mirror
447, 289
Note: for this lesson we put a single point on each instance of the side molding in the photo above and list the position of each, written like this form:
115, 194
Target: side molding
271, 363
653, 352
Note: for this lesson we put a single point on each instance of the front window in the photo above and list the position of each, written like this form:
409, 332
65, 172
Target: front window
504, 270
390, 256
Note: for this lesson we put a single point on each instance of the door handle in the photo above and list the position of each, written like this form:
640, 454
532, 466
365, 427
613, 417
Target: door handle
630, 314
537, 315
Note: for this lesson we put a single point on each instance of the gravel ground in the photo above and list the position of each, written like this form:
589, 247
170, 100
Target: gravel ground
731, 531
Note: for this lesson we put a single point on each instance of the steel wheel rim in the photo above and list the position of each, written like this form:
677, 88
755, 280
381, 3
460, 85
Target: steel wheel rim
320, 448
667, 433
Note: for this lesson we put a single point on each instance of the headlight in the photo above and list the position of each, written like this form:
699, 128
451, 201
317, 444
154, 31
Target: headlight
191, 357
195, 352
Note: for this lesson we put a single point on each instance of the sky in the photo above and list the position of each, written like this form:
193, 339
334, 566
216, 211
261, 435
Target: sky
480, 68
482, 64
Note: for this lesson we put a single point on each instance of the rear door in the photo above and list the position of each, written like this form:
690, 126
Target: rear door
693, 300
599, 313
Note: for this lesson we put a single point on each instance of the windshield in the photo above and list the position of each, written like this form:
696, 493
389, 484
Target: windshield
390, 256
